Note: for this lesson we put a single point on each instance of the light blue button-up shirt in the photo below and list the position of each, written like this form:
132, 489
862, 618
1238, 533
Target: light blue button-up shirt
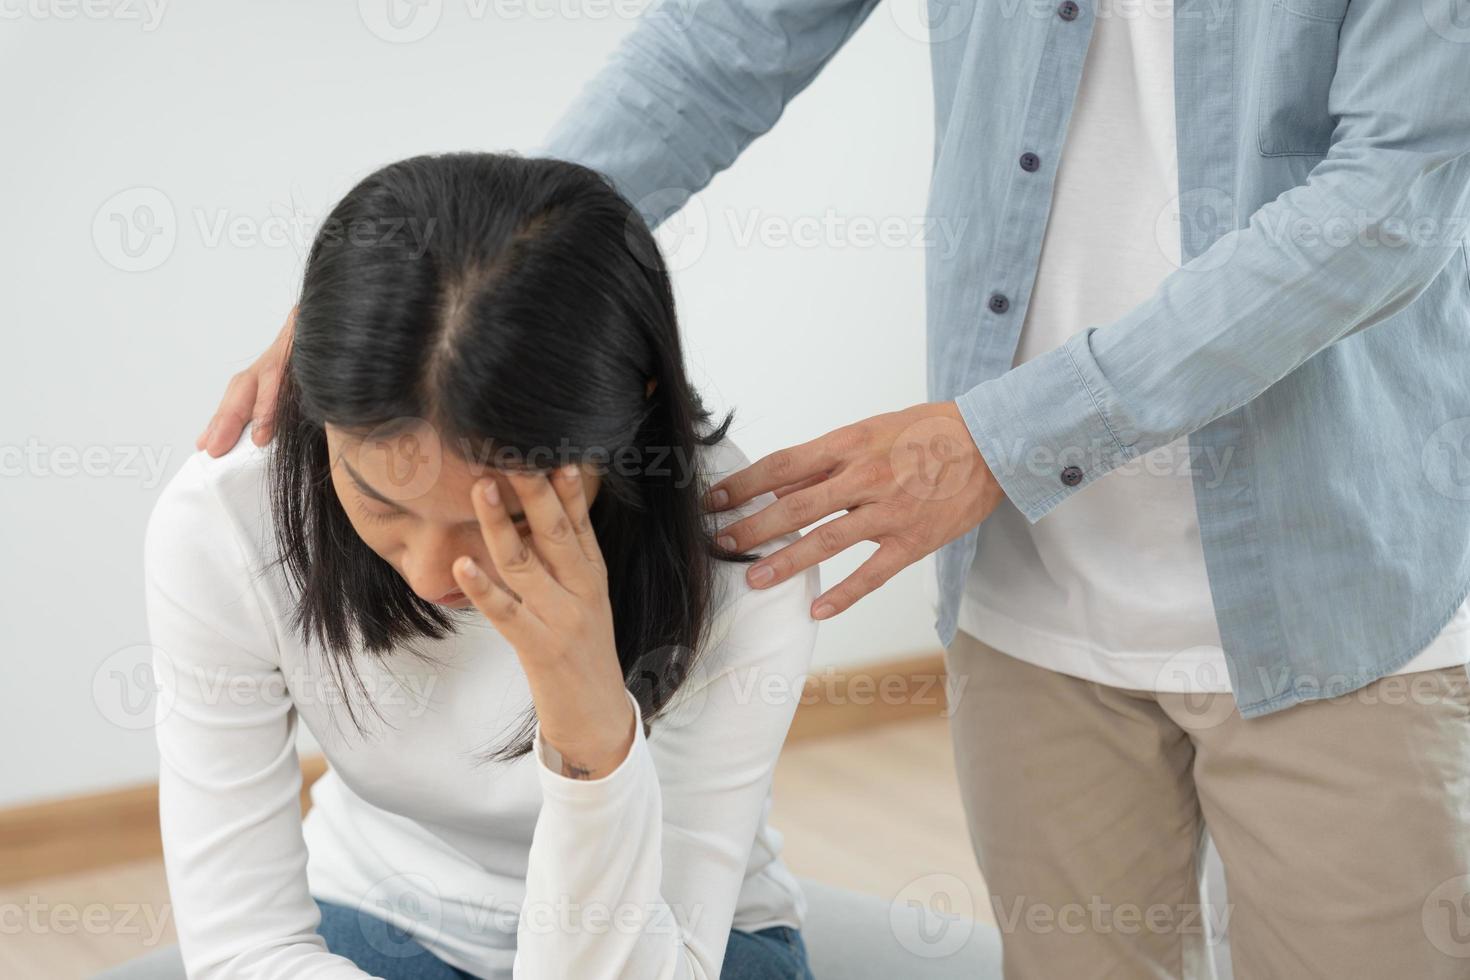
1314, 346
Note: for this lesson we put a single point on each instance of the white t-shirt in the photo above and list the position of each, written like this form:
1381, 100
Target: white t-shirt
1111, 586
489, 866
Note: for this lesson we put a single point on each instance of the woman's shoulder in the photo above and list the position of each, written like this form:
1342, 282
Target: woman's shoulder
749, 624
209, 530
208, 489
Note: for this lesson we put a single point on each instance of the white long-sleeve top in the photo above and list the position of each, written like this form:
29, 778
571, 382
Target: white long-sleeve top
503, 870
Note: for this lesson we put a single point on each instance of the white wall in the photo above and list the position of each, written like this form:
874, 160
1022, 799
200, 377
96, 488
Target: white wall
260, 116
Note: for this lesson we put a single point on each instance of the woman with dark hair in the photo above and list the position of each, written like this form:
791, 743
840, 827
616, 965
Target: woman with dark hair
477, 539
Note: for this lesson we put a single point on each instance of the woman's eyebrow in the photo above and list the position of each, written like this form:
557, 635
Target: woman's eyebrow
363, 486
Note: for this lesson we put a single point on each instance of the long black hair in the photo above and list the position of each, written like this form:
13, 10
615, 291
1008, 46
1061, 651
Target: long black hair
507, 301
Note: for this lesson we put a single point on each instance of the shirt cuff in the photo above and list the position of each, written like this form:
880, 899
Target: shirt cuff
1046, 428
551, 776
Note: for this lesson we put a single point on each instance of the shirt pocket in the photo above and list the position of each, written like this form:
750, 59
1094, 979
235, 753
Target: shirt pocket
1297, 65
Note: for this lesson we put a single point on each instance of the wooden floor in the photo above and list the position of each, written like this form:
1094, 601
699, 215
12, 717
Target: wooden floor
876, 812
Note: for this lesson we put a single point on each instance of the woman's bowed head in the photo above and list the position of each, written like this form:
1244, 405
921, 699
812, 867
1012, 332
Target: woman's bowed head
909, 481
535, 314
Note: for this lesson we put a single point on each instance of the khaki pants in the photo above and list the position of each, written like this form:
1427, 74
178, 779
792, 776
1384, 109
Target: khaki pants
1344, 825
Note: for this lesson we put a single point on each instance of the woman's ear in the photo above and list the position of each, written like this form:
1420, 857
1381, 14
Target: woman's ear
648, 388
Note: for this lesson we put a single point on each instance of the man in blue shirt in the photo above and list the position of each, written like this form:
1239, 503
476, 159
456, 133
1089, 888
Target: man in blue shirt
1267, 635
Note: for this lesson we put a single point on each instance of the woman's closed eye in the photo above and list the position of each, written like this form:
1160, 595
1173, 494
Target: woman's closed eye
384, 516
378, 516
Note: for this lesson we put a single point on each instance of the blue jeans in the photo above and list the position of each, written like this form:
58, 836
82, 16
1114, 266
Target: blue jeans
387, 951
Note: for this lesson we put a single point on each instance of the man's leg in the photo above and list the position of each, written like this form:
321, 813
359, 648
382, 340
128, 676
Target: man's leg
1084, 820
1344, 826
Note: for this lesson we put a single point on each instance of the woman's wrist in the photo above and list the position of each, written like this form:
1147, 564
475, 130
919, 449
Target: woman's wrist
595, 750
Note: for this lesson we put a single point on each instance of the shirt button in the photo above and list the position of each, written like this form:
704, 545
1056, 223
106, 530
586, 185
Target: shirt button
999, 303
1068, 11
1072, 475
1029, 162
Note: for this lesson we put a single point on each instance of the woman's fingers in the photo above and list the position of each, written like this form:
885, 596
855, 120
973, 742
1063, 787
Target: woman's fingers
514, 558
554, 530
525, 576
509, 615
573, 493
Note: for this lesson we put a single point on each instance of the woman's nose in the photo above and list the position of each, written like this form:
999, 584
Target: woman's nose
429, 565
